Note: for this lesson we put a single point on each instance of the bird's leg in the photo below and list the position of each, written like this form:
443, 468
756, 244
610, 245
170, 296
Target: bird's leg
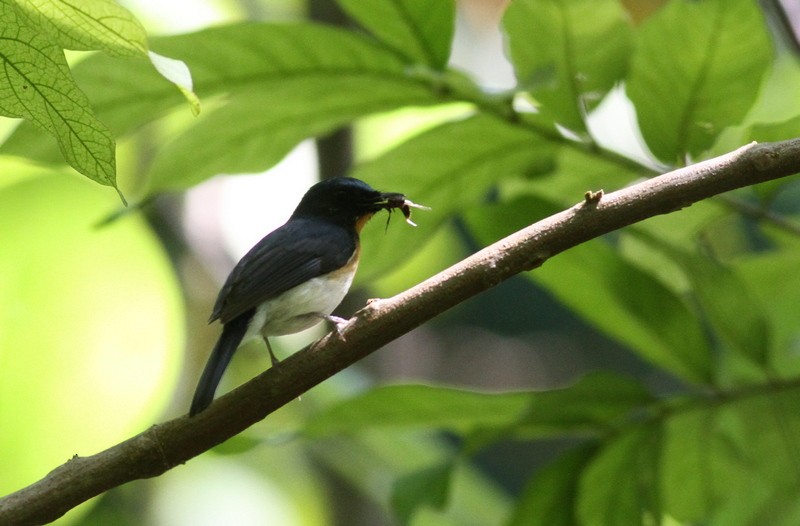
272, 357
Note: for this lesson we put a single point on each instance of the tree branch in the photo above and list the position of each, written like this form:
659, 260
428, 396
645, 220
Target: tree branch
167, 445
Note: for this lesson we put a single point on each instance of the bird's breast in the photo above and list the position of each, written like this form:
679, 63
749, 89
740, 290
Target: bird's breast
305, 305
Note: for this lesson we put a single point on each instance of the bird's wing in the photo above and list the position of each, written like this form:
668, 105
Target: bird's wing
300, 250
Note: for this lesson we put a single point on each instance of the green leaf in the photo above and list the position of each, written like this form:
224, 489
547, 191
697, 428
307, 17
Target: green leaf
322, 78
276, 75
613, 487
419, 30
630, 305
237, 139
418, 406
89, 25
36, 85
676, 230
691, 459
616, 296
737, 317
598, 401
777, 101
257, 62
733, 312
780, 131
427, 487
773, 280
577, 171
106, 26
597, 404
775, 115
568, 53
551, 495
688, 81
371, 462
734, 464
450, 168
124, 98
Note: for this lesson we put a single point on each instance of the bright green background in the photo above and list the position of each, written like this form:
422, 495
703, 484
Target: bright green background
92, 325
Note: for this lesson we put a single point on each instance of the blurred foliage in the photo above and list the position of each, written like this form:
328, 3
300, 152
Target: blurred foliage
707, 296
92, 322
36, 83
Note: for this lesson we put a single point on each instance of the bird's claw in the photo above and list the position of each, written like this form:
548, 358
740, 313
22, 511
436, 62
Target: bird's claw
339, 324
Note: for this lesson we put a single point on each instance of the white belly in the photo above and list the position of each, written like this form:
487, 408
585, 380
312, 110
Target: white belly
299, 308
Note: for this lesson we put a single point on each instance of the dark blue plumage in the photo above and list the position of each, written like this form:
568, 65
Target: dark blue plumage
295, 276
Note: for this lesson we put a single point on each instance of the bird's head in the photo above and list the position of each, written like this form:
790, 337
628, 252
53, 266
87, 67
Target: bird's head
349, 202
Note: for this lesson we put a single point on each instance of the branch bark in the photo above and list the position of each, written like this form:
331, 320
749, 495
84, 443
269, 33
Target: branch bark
172, 443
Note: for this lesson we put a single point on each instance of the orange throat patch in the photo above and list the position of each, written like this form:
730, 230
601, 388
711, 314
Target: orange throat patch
361, 221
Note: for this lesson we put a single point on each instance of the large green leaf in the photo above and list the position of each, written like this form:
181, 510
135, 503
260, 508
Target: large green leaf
734, 464
420, 30
104, 25
36, 85
616, 296
637, 245
89, 25
302, 79
551, 495
777, 101
237, 139
373, 462
772, 279
736, 318
775, 115
419, 406
630, 305
568, 53
595, 403
615, 488
284, 79
429, 486
450, 168
125, 98
779, 131
577, 170
697, 69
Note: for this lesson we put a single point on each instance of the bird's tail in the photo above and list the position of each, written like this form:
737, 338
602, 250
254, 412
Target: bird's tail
229, 340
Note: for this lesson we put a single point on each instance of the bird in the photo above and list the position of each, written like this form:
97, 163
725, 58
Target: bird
296, 275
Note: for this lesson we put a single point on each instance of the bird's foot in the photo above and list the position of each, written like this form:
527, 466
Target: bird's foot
273, 359
338, 324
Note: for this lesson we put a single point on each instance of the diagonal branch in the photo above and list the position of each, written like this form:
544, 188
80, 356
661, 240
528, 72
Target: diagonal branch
167, 445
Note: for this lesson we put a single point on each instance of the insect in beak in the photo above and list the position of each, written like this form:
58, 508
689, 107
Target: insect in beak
399, 201
406, 209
